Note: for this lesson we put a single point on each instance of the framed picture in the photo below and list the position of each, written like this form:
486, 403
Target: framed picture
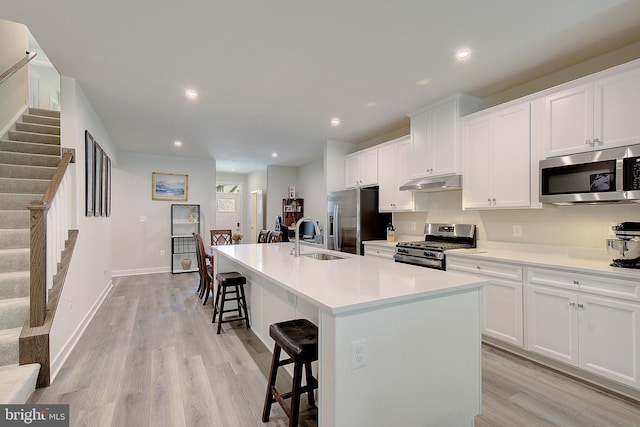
108, 188
103, 182
169, 186
226, 205
292, 192
97, 181
89, 173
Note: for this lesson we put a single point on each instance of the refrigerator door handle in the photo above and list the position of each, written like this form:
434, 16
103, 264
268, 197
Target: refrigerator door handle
336, 227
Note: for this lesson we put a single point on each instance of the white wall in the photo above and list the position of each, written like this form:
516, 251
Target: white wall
89, 276
334, 152
14, 92
312, 188
136, 244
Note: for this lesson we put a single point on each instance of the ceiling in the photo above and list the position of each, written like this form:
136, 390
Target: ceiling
271, 74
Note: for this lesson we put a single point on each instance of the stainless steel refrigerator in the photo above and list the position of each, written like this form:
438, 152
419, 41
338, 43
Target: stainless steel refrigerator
353, 217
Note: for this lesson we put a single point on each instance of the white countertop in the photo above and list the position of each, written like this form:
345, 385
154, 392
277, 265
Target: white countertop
352, 283
581, 260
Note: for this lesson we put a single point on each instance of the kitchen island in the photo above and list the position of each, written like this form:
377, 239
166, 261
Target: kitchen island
417, 332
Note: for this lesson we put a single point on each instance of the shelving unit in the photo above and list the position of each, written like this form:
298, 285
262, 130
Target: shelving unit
292, 211
185, 220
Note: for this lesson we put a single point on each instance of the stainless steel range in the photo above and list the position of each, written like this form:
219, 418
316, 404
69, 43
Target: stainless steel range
438, 238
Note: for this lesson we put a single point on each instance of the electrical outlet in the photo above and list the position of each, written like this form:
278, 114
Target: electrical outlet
161, 252
359, 356
517, 231
412, 225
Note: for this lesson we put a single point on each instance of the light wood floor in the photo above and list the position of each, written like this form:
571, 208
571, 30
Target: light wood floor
150, 357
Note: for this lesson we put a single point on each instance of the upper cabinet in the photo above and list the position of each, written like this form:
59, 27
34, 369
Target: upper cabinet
593, 116
497, 162
435, 149
361, 168
394, 159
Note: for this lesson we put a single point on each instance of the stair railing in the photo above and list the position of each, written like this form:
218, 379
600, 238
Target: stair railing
14, 69
50, 219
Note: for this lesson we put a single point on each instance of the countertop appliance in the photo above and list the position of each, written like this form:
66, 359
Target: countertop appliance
438, 238
605, 176
626, 245
353, 217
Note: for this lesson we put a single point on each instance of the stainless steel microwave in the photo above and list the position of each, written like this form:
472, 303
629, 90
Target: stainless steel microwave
605, 176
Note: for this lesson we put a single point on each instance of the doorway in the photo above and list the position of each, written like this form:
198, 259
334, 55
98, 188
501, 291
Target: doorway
229, 207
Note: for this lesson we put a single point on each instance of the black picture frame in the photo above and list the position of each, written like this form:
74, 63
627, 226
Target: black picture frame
90, 176
97, 188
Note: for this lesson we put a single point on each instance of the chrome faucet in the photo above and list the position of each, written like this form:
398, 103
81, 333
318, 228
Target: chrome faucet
296, 245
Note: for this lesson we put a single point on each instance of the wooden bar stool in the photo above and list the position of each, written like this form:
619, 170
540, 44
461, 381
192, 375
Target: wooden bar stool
299, 339
230, 288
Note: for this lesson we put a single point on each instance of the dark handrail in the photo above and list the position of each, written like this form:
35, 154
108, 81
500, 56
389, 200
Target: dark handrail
38, 211
11, 71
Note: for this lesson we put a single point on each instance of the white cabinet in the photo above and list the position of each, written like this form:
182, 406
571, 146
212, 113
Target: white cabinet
575, 318
361, 168
394, 159
502, 306
497, 162
435, 148
593, 116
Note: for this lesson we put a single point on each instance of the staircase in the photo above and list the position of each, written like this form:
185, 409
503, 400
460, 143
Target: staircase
28, 159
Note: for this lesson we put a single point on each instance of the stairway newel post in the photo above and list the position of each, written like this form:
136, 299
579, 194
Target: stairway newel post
38, 270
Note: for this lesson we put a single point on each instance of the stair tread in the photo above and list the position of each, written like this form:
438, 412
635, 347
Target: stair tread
18, 382
6, 251
10, 333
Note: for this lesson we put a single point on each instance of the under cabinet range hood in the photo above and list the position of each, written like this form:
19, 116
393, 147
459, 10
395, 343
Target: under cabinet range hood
433, 184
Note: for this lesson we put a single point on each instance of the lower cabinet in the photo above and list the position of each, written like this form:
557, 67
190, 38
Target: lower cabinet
501, 298
568, 318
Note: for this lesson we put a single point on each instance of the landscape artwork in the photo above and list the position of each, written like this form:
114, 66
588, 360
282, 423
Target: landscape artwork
169, 186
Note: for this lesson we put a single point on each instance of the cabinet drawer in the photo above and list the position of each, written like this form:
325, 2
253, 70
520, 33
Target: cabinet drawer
379, 251
488, 268
601, 285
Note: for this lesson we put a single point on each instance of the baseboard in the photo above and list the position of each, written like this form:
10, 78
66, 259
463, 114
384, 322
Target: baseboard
58, 361
138, 271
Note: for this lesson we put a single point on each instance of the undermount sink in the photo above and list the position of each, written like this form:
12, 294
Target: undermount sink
322, 256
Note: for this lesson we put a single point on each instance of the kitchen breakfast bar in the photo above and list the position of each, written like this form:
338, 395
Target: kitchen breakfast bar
416, 330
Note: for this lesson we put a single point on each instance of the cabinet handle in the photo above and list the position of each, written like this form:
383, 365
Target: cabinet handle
494, 202
589, 143
596, 141
572, 304
477, 267
580, 305
489, 201
576, 282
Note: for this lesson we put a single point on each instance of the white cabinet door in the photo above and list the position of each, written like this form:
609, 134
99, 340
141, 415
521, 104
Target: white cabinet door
387, 178
568, 121
444, 141
477, 147
369, 171
552, 323
511, 167
502, 311
420, 144
405, 199
610, 338
352, 171
616, 100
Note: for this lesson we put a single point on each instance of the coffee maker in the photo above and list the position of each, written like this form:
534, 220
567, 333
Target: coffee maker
626, 246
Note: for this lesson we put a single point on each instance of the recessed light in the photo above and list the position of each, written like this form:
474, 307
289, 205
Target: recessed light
191, 94
274, 155
424, 82
177, 143
371, 104
335, 122
463, 54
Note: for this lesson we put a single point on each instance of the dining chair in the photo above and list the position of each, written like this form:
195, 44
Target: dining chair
275, 237
263, 236
220, 237
204, 269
